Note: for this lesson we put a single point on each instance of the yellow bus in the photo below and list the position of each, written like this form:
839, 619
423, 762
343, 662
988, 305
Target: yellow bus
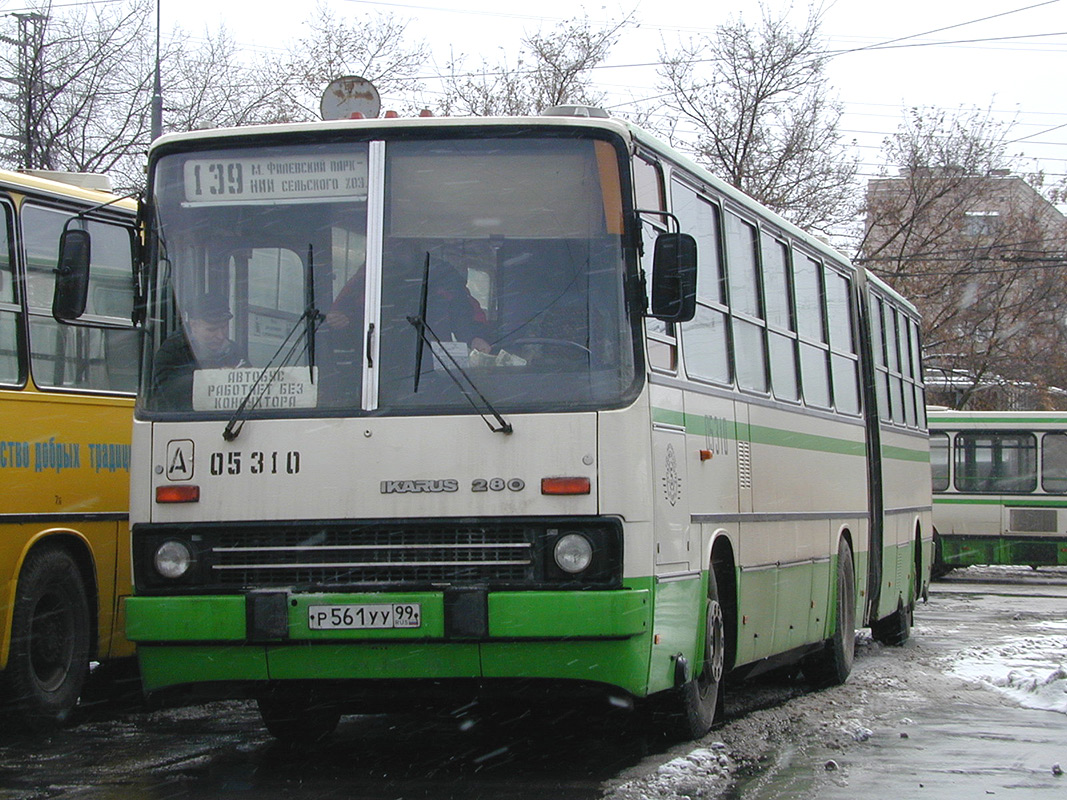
66, 400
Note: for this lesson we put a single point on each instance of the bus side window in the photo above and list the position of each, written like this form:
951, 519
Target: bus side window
648, 192
1054, 462
704, 338
814, 367
843, 359
9, 310
917, 374
81, 357
996, 462
750, 353
781, 326
939, 461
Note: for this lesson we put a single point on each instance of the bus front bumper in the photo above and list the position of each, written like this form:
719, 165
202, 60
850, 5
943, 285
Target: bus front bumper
268, 636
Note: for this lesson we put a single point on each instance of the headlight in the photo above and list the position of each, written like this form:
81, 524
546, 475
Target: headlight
173, 559
573, 553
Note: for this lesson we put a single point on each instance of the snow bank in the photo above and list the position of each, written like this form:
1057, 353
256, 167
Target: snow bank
699, 773
1030, 670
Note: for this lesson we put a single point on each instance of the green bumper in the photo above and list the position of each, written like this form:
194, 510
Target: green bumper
588, 635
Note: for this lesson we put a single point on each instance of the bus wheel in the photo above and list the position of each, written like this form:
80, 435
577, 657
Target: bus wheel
49, 658
297, 717
831, 665
699, 700
893, 630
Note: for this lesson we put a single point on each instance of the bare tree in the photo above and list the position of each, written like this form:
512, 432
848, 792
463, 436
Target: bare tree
976, 248
375, 47
86, 73
758, 99
91, 92
552, 68
209, 85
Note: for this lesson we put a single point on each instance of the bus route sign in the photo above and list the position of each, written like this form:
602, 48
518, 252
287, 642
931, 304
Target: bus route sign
237, 180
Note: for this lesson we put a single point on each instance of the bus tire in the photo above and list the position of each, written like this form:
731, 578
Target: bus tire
894, 629
698, 701
831, 665
50, 631
297, 718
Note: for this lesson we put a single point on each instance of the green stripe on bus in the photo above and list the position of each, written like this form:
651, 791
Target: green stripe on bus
905, 454
1010, 420
758, 434
1000, 501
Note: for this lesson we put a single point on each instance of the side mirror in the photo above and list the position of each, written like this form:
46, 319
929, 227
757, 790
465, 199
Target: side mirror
674, 277
72, 275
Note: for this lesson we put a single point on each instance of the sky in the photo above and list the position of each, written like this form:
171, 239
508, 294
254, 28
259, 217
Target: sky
1007, 56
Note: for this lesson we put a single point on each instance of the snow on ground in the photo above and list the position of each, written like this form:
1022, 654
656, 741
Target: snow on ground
701, 772
1031, 670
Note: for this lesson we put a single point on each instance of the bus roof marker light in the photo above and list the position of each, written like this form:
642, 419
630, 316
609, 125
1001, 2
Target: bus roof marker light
566, 485
178, 493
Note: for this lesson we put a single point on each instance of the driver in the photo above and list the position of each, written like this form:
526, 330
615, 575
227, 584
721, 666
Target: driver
202, 343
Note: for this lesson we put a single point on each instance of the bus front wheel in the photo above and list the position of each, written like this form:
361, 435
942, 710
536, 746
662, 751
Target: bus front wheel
50, 627
698, 701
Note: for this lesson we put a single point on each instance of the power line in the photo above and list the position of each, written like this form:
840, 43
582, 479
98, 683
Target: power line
886, 44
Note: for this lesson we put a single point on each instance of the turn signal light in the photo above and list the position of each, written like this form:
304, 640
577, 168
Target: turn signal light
180, 493
565, 486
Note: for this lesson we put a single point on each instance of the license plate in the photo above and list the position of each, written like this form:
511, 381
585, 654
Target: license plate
364, 616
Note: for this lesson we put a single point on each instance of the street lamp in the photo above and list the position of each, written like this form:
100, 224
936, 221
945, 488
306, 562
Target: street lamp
157, 89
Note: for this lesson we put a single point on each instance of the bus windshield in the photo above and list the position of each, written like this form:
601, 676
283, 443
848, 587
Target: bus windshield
387, 276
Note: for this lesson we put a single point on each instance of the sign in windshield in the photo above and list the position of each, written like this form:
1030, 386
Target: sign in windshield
273, 388
275, 179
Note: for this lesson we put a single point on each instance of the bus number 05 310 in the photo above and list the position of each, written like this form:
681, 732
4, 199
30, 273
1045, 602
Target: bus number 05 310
256, 463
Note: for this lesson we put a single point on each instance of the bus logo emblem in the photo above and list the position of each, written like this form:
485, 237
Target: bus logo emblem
180, 459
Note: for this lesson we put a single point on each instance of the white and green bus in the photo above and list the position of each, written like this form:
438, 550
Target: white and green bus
1000, 487
511, 405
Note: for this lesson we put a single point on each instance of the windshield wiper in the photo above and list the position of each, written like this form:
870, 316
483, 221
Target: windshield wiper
310, 320
427, 337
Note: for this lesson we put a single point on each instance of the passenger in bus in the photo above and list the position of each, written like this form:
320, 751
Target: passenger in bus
452, 312
203, 342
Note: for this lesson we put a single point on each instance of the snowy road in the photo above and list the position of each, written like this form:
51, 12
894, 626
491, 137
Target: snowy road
975, 705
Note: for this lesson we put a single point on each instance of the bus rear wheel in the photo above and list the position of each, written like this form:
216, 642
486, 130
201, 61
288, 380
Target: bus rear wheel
50, 629
894, 629
831, 665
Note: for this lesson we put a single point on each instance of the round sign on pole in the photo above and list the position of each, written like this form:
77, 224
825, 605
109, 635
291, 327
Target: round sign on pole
350, 98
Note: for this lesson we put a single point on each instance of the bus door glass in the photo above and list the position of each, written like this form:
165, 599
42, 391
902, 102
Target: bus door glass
261, 262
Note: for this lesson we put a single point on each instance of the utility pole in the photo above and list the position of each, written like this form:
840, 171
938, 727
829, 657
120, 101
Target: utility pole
28, 83
30, 44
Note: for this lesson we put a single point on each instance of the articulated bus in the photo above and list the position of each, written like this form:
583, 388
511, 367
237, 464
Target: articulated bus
1000, 487
66, 407
437, 408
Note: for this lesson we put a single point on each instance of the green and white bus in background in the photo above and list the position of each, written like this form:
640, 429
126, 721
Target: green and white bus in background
521, 404
1000, 487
